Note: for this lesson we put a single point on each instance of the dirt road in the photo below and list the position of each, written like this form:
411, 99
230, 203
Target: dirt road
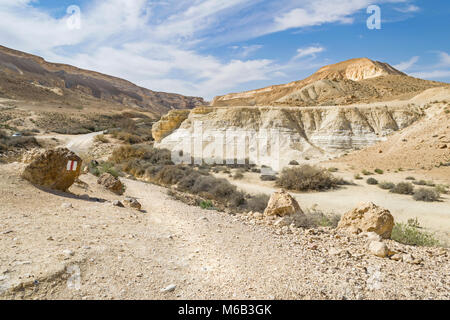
93, 250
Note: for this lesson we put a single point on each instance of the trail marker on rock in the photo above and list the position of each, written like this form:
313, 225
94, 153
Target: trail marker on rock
72, 165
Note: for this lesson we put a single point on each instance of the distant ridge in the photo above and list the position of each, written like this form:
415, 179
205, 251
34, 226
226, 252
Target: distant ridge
29, 77
352, 81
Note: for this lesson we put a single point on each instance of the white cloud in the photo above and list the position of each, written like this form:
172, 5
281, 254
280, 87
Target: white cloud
436, 74
161, 45
405, 65
444, 58
409, 9
309, 51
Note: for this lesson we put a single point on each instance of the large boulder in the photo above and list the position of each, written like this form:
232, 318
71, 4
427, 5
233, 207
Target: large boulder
368, 217
111, 183
56, 169
281, 204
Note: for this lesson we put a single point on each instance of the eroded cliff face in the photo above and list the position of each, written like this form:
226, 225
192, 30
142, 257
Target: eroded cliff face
314, 133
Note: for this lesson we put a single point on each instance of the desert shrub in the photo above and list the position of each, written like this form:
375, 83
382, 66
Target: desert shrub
386, 185
101, 138
293, 163
441, 189
206, 205
99, 168
257, 203
171, 174
430, 184
238, 176
267, 177
127, 137
316, 218
332, 169
379, 171
372, 181
403, 188
357, 176
410, 233
428, 195
366, 172
306, 178
410, 178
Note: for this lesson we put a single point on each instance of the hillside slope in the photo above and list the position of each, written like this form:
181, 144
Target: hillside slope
353, 81
27, 77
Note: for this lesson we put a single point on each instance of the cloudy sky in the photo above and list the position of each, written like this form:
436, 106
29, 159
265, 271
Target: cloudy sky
212, 47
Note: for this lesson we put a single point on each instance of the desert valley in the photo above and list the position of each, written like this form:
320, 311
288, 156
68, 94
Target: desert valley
94, 206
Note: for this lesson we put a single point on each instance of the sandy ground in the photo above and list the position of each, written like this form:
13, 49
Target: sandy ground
97, 251
434, 216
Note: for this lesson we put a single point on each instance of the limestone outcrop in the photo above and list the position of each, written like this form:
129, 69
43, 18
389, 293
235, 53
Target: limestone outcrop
168, 123
282, 204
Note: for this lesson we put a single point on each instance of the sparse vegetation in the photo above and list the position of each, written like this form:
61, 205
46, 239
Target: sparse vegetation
155, 165
372, 181
379, 171
206, 205
316, 218
410, 233
441, 189
366, 173
307, 178
410, 178
420, 182
238, 176
403, 188
332, 169
357, 176
293, 163
424, 194
266, 177
101, 138
386, 185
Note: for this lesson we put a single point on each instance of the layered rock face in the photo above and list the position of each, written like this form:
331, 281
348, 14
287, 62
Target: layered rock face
55, 169
168, 123
301, 132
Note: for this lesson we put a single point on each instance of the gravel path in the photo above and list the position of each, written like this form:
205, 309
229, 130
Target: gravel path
120, 253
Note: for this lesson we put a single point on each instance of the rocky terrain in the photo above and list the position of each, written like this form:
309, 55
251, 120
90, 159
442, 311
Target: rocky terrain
30, 78
82, 245
352, 81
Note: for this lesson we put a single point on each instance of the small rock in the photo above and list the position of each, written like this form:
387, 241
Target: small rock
66, 205
68, 253
117, 203
378, 249
169, 288
397, 257
132, 203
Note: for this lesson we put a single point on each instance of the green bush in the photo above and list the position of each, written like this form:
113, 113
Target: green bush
427, 195
441, 189
358, 176
333, 170
410, 233
410, 178
307, 178
366, 173
206, 205
379, 171
386, 185
403, 188
420, 182
372, 181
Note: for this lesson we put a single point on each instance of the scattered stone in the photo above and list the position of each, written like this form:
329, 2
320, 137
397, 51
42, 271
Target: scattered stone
56, 169
378, 248
169, 288
397, 257
111, 183
117, 203
66, 205
281, 203
68, 253
409, 258
132, 203
368, 217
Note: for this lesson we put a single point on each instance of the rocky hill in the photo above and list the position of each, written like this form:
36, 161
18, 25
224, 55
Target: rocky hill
352, 81
30, 78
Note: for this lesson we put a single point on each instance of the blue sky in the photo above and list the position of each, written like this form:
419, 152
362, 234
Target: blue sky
213, 47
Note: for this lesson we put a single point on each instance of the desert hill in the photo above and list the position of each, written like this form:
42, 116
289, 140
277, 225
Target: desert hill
353, 81
30, 78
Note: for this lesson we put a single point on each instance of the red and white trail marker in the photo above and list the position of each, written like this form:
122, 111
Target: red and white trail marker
72, 165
